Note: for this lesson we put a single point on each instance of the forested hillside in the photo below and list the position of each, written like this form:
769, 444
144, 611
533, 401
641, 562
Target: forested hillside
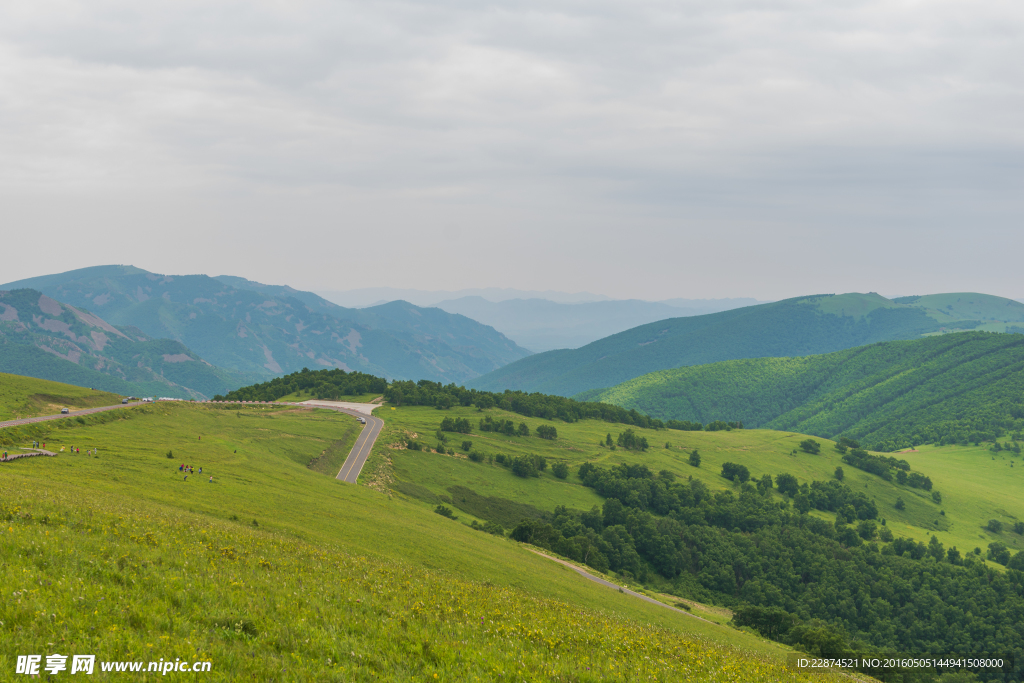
953, 388
794, 327
265, 330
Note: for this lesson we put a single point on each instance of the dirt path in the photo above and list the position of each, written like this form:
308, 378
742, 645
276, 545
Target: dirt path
609, 584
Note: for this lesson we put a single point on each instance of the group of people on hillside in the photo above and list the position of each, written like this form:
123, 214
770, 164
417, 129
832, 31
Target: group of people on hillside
190, 469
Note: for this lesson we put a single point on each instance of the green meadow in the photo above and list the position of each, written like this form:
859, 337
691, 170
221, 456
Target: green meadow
974, 487
275, 571
28, 397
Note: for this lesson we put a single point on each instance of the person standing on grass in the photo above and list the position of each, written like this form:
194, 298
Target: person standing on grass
211, 478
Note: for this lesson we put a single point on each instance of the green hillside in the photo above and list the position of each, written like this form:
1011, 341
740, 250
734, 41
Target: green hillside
740, 545
794, 327
948, 389
274, 570
28, 397
264, 330
41, 337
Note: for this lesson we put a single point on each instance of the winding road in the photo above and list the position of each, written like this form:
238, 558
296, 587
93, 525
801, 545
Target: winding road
349, 471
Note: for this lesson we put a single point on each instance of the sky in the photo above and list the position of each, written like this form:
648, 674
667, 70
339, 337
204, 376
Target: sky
634, 149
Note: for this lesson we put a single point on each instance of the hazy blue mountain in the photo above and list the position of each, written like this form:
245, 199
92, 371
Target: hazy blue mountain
372, 296
268, 330
542, 325
794, 327
41, 337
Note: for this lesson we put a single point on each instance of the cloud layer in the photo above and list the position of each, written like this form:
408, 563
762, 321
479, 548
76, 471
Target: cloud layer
561, 140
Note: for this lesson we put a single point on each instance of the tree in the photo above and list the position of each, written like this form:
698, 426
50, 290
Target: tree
608, 441
900, 505
787, 484
802, 503
995, 526
1018, 527
999, 553
735, 473
810, 446
764, 484
548, 432
467, 446
695, 458
560, 470
523, 430
839, 473
936, 497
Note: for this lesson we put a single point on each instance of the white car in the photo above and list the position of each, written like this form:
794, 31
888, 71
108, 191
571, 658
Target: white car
363, 420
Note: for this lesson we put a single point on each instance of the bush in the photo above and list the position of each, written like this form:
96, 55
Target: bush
900, 505
936, 497
476, 457
695, 458
170, 455
467, 446
994, 525
488, 527
839, 473
810, 446
560, 470
445, 511
1018, 527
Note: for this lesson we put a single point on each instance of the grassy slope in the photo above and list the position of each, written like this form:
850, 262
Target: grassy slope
126, 546
28, 397
990, 491
870, 392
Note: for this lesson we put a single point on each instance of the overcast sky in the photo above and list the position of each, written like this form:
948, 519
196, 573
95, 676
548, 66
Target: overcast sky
647, 149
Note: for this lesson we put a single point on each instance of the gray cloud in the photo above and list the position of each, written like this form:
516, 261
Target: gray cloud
604, 146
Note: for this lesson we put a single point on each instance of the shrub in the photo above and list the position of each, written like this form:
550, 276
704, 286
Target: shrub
1018, 527
695, 458
445, 511
994, 525
170, 455
840, 474
900, 505
936, 497
560, 470
476, 457
810, 446
467, 445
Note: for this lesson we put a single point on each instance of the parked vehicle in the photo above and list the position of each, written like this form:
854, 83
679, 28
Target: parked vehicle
64, 411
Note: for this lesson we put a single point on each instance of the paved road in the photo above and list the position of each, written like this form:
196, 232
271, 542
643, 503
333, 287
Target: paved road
349, 471
609, 584
74, 413
361, 451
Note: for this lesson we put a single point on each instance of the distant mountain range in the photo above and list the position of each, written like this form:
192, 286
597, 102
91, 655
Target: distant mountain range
373, 296
542, 325
949, 388
264, 330
794, 327
43, 338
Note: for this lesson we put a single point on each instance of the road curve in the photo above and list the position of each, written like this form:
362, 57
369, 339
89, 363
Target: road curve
349, 471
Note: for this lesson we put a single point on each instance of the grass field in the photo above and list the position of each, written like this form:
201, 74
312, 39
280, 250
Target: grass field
276, 568
28, 397
974, 487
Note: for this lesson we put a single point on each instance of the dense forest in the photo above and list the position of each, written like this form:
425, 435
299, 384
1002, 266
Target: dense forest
953, 388
826, 588
332, 384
